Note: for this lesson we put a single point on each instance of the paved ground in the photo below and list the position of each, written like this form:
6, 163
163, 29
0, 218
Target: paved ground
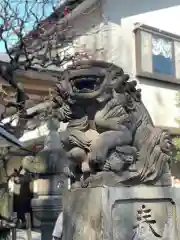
22, 235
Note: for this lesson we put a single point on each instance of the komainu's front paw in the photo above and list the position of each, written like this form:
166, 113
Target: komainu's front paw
107, 166
84, 181
84, 184
98, 156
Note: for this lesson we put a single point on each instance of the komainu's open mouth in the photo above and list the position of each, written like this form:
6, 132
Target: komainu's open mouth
89, 79
86, 84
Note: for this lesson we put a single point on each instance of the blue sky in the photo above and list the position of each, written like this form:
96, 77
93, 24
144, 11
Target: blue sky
23, 12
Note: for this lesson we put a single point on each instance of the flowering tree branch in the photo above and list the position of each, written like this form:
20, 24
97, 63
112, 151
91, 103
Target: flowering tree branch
36, 34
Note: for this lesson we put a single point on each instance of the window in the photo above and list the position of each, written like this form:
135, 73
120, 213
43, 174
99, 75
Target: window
157, 54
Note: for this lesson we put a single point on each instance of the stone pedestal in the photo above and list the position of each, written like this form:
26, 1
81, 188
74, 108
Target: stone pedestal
119, 213
47, 203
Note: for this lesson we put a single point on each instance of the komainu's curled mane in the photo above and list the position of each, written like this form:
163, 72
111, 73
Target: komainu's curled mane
131, 148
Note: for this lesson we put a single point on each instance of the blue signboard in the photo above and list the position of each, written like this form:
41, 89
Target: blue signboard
162, 56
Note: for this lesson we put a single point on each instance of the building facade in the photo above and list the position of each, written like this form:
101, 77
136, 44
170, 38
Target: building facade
143, 38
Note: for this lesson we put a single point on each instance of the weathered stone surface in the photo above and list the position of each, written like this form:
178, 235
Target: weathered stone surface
121, 213
83, 214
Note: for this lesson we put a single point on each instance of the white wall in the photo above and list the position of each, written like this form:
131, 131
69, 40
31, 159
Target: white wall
159, 97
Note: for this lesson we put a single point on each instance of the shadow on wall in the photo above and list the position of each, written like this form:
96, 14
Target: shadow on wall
159, 99
159, 110
158, 84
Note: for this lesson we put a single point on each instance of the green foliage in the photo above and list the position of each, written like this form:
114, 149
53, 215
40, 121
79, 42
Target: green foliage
178, 99
176, 142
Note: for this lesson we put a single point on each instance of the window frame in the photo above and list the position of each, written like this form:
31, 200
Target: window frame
138, 51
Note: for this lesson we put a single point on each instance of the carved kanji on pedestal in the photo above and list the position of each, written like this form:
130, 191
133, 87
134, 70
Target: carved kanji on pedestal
144, 228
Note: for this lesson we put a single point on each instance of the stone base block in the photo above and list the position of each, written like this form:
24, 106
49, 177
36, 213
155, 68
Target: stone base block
119, 213
47, 201
45, 210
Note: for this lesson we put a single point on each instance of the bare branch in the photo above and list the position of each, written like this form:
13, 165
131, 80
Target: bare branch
38, 34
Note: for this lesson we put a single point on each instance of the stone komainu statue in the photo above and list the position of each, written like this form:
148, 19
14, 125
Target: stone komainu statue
110, 137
